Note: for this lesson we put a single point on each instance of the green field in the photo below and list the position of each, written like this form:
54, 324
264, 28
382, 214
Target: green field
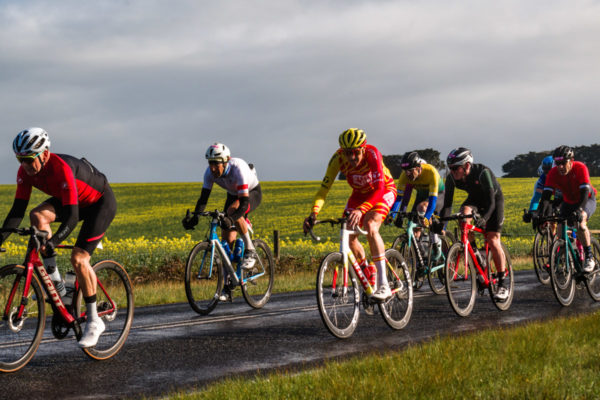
147, 237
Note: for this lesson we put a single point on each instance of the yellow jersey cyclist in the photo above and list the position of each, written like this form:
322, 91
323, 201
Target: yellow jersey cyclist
373, 193
484, 195
244, 195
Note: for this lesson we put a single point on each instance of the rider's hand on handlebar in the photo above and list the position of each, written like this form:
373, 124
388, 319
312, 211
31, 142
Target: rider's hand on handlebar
398, 222
388, 220
354, 218
48, 250
309, 222
480, 223
189, 221
425, 222
527, 217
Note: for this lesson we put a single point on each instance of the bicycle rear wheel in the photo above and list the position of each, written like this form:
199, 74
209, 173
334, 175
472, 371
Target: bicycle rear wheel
493, 278
461, 284
19, 340
115, 305
592, 280
397, 310
203, 278
410, 257
563, 284
435, 273
338, 304
258, 282
541, 255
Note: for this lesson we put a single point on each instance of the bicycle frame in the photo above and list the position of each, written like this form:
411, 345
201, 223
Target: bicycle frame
410, 227
571, 256
465, 228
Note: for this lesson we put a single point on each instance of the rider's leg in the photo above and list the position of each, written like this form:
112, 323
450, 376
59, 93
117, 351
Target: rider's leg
41, 217
372, 221
495, 243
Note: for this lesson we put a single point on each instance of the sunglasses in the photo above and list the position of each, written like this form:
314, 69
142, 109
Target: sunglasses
455, 167
563, 161
352, 152
28, 159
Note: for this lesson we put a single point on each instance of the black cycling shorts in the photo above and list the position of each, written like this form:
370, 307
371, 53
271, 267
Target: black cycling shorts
589, 207
494, 224
255, 197
96, 219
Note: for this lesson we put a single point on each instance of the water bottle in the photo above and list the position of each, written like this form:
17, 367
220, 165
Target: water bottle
69, 287
56, 279
238, 250
225, 246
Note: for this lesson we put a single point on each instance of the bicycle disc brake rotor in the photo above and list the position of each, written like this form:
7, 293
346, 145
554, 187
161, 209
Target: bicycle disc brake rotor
11, 320
105, 306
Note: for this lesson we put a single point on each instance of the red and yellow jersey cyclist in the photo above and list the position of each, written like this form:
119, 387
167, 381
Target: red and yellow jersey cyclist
373, 193
79, 192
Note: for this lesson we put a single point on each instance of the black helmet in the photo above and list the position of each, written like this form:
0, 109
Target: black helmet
459, 156
410, 160
563, 153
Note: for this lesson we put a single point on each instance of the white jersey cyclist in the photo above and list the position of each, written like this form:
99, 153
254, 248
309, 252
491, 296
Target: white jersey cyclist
238, 179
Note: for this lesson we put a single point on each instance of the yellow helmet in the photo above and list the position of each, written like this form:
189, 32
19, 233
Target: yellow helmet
353, 138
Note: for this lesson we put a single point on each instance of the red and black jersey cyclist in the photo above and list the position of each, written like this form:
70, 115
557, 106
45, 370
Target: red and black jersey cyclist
484, 195
79, 192
373, 194
572, 178
243, 195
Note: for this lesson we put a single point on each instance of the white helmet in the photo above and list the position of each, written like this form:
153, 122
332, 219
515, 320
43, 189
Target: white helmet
31, 141
218, 152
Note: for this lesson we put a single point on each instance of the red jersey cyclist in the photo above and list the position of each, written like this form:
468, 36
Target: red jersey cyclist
79, 192
572, 178
373, 193
243, 195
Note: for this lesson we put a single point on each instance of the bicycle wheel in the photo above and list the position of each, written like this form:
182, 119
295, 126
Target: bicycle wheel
410, 257
435, 273
592, 280
19, 340
561, 275
258, 282
541, 255
115, 306
397, 310
493, 277
461, 284
338, 304
203, 278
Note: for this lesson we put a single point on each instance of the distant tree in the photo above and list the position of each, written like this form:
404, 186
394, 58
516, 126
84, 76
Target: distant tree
526, 165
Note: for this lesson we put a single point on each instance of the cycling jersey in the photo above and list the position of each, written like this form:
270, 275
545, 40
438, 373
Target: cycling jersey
570, 183
237, 179
537, 194
428, 185
370, 180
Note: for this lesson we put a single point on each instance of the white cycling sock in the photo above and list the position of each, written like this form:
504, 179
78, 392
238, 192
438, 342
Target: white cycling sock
379, 262
92, 311
248, 241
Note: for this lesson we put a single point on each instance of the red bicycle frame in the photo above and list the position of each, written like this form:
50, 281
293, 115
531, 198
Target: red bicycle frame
465, 228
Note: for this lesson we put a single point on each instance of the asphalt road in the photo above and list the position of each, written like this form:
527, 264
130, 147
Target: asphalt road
170, 347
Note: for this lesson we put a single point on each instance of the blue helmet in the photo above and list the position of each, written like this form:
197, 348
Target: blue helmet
546, 165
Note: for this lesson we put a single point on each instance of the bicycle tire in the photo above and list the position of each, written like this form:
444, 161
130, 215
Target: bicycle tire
410, 257
397, 311
437, 278
461, 284
203, 285
259, 280
541, 256
338, 306
18, 343
114, 281
592, 279
563, 284
492, 276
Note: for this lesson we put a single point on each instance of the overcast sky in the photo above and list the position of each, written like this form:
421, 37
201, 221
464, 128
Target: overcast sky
141, 88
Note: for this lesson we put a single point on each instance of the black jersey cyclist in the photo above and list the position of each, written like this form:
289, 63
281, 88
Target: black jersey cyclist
572, 178
484, 195
79, 192
243, 196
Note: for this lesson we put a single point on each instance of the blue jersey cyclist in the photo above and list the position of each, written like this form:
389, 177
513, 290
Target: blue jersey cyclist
538, 189
243, 196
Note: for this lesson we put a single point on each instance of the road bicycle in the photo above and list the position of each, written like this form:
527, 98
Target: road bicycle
468, 271
338, 292
423, 257
566, 264
25, 290
210, 266
542, 246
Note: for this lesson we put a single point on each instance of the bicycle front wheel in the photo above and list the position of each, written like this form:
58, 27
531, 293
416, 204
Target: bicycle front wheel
561, 273
435, 273
203, 278
541, 255
592, 280
493, 278
461, 283
258, 282
410, 257
19, 339
115, 304
338, 303
397, 310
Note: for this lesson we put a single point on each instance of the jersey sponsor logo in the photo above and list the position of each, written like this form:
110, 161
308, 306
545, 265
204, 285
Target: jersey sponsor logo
389, 198
362, 180
19, 180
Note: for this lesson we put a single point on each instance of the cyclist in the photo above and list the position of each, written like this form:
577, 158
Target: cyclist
572, 178
373, 193
543, 169
79, 192
244, 194
484, 195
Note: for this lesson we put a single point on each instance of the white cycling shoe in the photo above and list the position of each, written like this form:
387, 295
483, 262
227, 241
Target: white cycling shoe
92, 332
382, 293
588, 265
